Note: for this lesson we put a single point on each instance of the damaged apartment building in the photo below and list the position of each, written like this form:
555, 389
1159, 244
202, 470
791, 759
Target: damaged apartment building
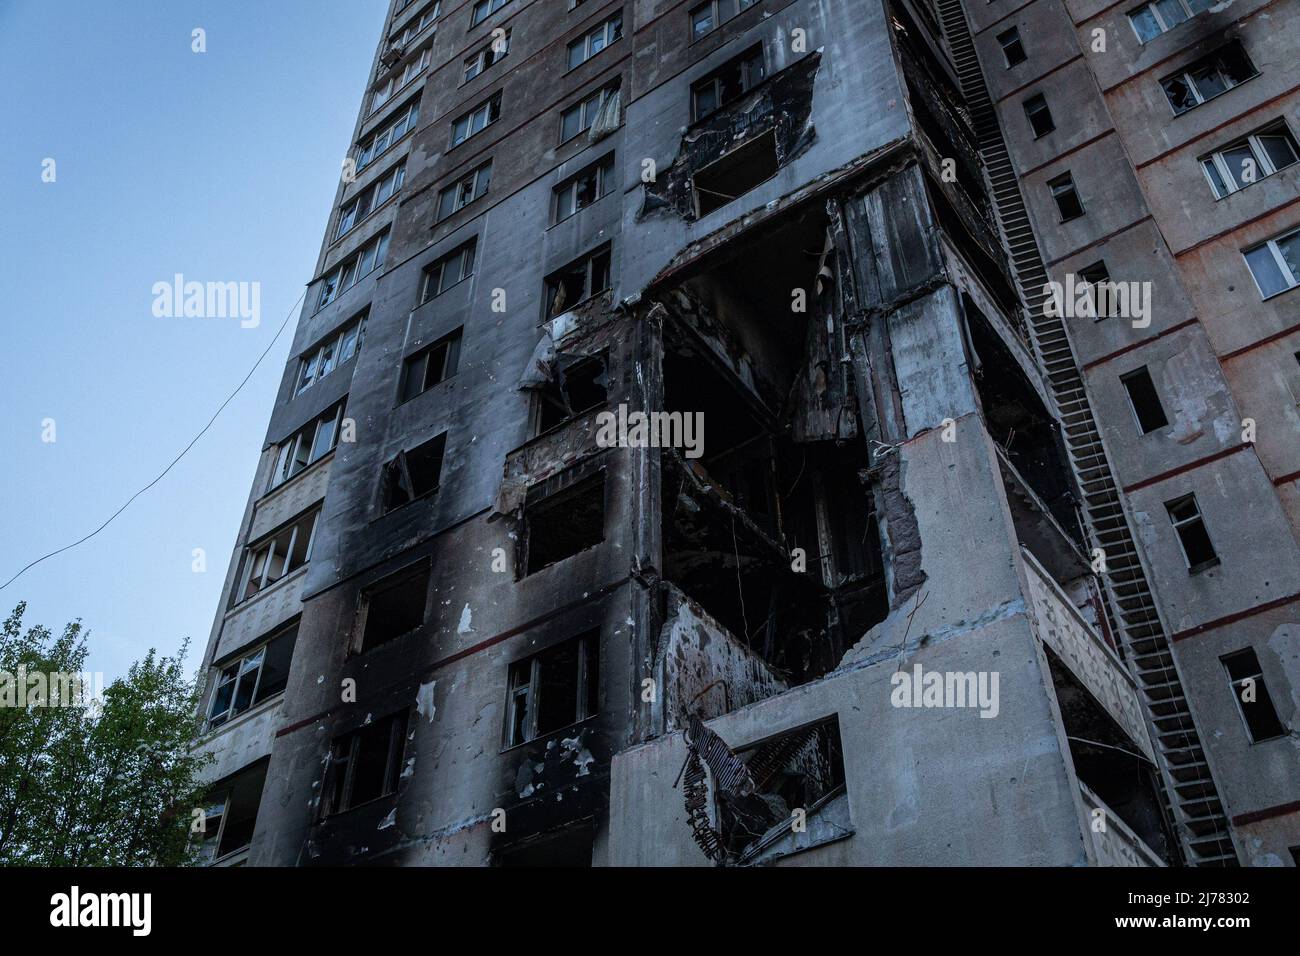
674, 468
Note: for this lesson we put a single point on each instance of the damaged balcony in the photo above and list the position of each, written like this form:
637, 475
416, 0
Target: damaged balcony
1113, 842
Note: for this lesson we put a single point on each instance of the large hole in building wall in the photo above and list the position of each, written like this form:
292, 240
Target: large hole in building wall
770, 524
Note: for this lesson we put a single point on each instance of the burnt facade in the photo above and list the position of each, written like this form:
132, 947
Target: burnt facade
669, 471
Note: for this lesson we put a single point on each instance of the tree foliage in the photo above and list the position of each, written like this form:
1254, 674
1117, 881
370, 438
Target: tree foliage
113, 784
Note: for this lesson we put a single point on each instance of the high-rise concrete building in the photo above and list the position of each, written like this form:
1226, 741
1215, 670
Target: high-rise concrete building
677, 465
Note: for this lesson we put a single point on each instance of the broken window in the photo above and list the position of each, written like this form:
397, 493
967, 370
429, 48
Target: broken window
570, 846
585, 47
1249, 159
365, 764
253, 677
456, 266
1040, 117
732, 80
414, 473
1012, 49
1207, 77
565, 523
582, 115
1192, 534
307, 445
553, 689
578, 192
735, 174
481, 59
1275, 264
1066, 196
1144, 398
578, 385
460, 194
579, 281
708, 16
230, 814
430, 366
476, 120
1251, 693
276, 555
393, 607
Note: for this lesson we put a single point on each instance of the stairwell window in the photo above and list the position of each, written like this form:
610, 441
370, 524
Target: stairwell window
731, 81
1152, 19
1097, 279
1144, 400
1186, 518
585, 47
278, 554
464, 191
1013, 51
1066, 197
1039, 116
590, 184
430, 366
1275, 264
1208, 77
1254, 703
484, 9
308, 445
1249, 159
456, 266
393, 607
476, 120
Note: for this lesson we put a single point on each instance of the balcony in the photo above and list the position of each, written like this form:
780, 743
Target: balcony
1113, 843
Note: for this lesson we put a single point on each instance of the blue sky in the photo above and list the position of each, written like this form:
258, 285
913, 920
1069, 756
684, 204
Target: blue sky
218, 165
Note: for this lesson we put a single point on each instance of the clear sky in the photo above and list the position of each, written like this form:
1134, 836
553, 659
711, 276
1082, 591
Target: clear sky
220, 166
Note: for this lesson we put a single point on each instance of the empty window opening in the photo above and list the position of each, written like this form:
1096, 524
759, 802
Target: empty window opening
577, 193
253, 677
1039, 115
1097, 279
735, 174
554, 689
277, 555
1246, 678
731, 81
1207, 77
393, 607
569, 847
1192, 533
565, 523
1066, 197
1012, 49
1145, 400
414, 473
430, 366
579, 386
230, 814
1250, 159
579, 281
365, 764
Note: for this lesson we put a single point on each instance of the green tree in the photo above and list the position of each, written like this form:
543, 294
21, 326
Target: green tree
113, 784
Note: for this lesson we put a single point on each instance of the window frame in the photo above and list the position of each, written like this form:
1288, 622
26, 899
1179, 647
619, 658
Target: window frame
391, 85
488, 106
469, 247
450, 365
608, 33
1279, 260
483, 59
1260, 155
1235, 689
606, 174
1136, 375
268, 543
398, 465
480, 173
288, 451
1179, 524
1058, 186
484, 9
311, 364
1012, 40
587, 261
394, 177
1039, 99
1187, 75
599, 97
407, 120
717, 15
530, 692
347, 273
745, 61
399, 724
1154, 10
238, 662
